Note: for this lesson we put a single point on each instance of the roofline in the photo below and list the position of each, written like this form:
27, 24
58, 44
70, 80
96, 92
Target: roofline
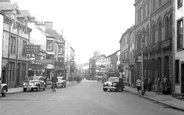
113, 53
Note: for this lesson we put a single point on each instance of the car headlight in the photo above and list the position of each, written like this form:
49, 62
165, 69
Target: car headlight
114, 84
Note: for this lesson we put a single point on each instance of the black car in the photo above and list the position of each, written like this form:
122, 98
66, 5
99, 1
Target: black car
113, 84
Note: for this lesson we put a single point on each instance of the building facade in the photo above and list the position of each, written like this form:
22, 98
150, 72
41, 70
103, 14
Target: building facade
153, 38
124, 55
15, 36
131, 61
112, 64
179, 47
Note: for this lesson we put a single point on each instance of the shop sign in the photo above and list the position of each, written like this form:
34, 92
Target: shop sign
31, 49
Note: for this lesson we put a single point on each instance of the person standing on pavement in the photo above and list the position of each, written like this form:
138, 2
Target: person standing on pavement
138, 84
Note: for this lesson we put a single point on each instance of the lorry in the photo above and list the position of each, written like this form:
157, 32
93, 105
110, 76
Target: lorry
3, 86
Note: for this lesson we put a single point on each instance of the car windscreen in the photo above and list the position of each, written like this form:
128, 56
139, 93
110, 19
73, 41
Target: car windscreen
113, 79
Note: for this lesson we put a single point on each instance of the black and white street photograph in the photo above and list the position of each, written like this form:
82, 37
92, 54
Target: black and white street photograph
91, 57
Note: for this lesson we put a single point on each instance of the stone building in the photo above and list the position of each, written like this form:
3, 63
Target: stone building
15, 36
179, 47
153, 38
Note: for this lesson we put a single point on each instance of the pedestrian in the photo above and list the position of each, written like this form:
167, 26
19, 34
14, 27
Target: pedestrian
145, 82
138, 85
157, 85
149, 83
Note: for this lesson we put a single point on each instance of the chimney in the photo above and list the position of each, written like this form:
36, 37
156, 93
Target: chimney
48, 25
61, 32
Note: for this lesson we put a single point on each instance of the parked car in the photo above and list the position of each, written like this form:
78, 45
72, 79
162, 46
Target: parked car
3, 88
61, 82
34, 82
113, 84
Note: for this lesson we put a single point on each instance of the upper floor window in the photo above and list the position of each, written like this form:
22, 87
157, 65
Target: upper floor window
166, 28
50, 45
60, 49
147, 34
159, 31
154, 4
24, 43
180, 34
153, 34
12, 44
180, 3
144, 11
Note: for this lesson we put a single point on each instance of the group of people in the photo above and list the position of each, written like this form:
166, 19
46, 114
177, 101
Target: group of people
162, 85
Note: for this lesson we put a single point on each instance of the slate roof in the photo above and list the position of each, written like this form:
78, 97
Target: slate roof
8, 6
55, 35
5, 1
24, 13
48, 35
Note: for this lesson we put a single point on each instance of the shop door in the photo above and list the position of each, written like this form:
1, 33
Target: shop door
182, 78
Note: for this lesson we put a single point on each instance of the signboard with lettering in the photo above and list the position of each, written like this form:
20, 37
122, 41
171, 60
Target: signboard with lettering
44, 61
31, 49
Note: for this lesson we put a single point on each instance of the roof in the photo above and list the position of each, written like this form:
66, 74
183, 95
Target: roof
96, 57
5, 1
9, 6
48, 35
113, 53
55, 35
24, 13
125, 33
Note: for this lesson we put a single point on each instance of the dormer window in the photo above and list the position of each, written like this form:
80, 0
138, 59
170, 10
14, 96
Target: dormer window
50, 45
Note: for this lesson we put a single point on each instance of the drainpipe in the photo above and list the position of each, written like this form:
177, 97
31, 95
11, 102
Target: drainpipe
173, 47
17, 57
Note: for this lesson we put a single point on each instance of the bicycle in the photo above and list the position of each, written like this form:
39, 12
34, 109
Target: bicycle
54, 87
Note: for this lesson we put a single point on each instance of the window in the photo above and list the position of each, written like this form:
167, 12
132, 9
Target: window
154, 4
60, 49
180, 3
153, 35
49, 45
166, 66
170, 27
180, 34
176, 71
166, 28
144, 11
159, 2
24, 44
147, 32
12, 44
12, 70
159, 31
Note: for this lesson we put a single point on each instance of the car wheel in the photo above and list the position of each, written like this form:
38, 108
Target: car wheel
43, 89
105, 89
31, 89
4, 92
24, 89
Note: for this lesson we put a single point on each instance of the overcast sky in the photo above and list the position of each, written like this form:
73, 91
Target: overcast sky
88, 25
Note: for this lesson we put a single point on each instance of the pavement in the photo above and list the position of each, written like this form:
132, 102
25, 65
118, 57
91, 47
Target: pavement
167, 100
20, 89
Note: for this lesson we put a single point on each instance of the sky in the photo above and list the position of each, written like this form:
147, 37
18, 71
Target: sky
88, 25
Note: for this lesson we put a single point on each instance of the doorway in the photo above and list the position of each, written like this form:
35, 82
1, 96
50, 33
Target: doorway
18, 75
182, 78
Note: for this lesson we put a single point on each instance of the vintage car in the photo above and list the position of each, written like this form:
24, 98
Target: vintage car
34, 82
3, 88
113, 84
61, 82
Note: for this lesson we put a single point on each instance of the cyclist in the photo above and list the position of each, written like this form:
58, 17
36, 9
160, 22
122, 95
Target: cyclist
54, 80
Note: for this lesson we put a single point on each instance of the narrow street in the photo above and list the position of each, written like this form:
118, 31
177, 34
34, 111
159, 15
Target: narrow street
85, 98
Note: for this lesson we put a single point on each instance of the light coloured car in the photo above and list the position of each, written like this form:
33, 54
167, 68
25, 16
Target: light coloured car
61, 82
34, 83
